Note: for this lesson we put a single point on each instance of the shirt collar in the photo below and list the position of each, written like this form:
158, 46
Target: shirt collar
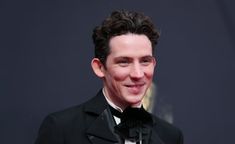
112, 104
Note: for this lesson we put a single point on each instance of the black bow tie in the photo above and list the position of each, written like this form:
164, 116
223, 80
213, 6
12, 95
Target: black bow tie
135, 124
115, 112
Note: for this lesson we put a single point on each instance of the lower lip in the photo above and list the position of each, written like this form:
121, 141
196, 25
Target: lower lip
135, 89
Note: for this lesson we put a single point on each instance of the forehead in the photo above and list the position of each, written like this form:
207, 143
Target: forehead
130, 45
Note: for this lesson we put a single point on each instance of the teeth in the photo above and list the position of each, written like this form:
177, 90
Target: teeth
135, 85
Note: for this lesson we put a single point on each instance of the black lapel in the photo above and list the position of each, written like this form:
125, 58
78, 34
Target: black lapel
154, 137
100, 129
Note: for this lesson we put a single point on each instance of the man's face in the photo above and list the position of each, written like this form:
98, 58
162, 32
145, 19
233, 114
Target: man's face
129, 69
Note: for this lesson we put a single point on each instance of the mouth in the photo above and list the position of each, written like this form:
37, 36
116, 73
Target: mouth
135, 85
135, 88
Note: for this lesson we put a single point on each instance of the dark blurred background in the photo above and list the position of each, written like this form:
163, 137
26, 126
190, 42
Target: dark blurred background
46, 49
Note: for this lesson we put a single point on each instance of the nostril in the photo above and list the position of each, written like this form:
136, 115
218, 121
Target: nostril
136, 76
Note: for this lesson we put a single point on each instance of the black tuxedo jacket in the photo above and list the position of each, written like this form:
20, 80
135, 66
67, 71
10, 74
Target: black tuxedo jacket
92, 123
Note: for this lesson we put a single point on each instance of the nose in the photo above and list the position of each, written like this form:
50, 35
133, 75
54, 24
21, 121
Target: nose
136, 71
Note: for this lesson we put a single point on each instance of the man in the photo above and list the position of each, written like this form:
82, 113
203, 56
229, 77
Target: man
124, 60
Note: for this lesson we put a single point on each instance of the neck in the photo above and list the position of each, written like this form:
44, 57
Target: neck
115, 105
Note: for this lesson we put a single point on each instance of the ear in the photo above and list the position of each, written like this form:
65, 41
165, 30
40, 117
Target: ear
97, 67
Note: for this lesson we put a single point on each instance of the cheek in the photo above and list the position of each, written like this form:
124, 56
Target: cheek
149, 72
119, 74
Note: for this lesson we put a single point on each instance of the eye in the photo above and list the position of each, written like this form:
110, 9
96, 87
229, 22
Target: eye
123, 62
146, 60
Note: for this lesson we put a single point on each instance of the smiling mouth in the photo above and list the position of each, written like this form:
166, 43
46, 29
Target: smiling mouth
135, 88
135, 85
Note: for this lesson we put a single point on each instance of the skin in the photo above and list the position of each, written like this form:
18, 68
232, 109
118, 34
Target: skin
129, 69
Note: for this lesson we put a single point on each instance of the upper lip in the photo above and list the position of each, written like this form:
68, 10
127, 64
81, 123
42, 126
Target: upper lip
133, 85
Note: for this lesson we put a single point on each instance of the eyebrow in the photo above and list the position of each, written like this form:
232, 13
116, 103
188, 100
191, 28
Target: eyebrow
147, 55
126, 57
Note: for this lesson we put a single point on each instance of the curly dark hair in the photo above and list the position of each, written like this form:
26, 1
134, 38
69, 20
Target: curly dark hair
118, 23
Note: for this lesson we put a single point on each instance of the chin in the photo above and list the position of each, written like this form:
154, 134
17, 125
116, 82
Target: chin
135, 100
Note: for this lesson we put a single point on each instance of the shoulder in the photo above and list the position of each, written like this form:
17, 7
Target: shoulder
71, 123
167, 132
77, 114
64, 119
